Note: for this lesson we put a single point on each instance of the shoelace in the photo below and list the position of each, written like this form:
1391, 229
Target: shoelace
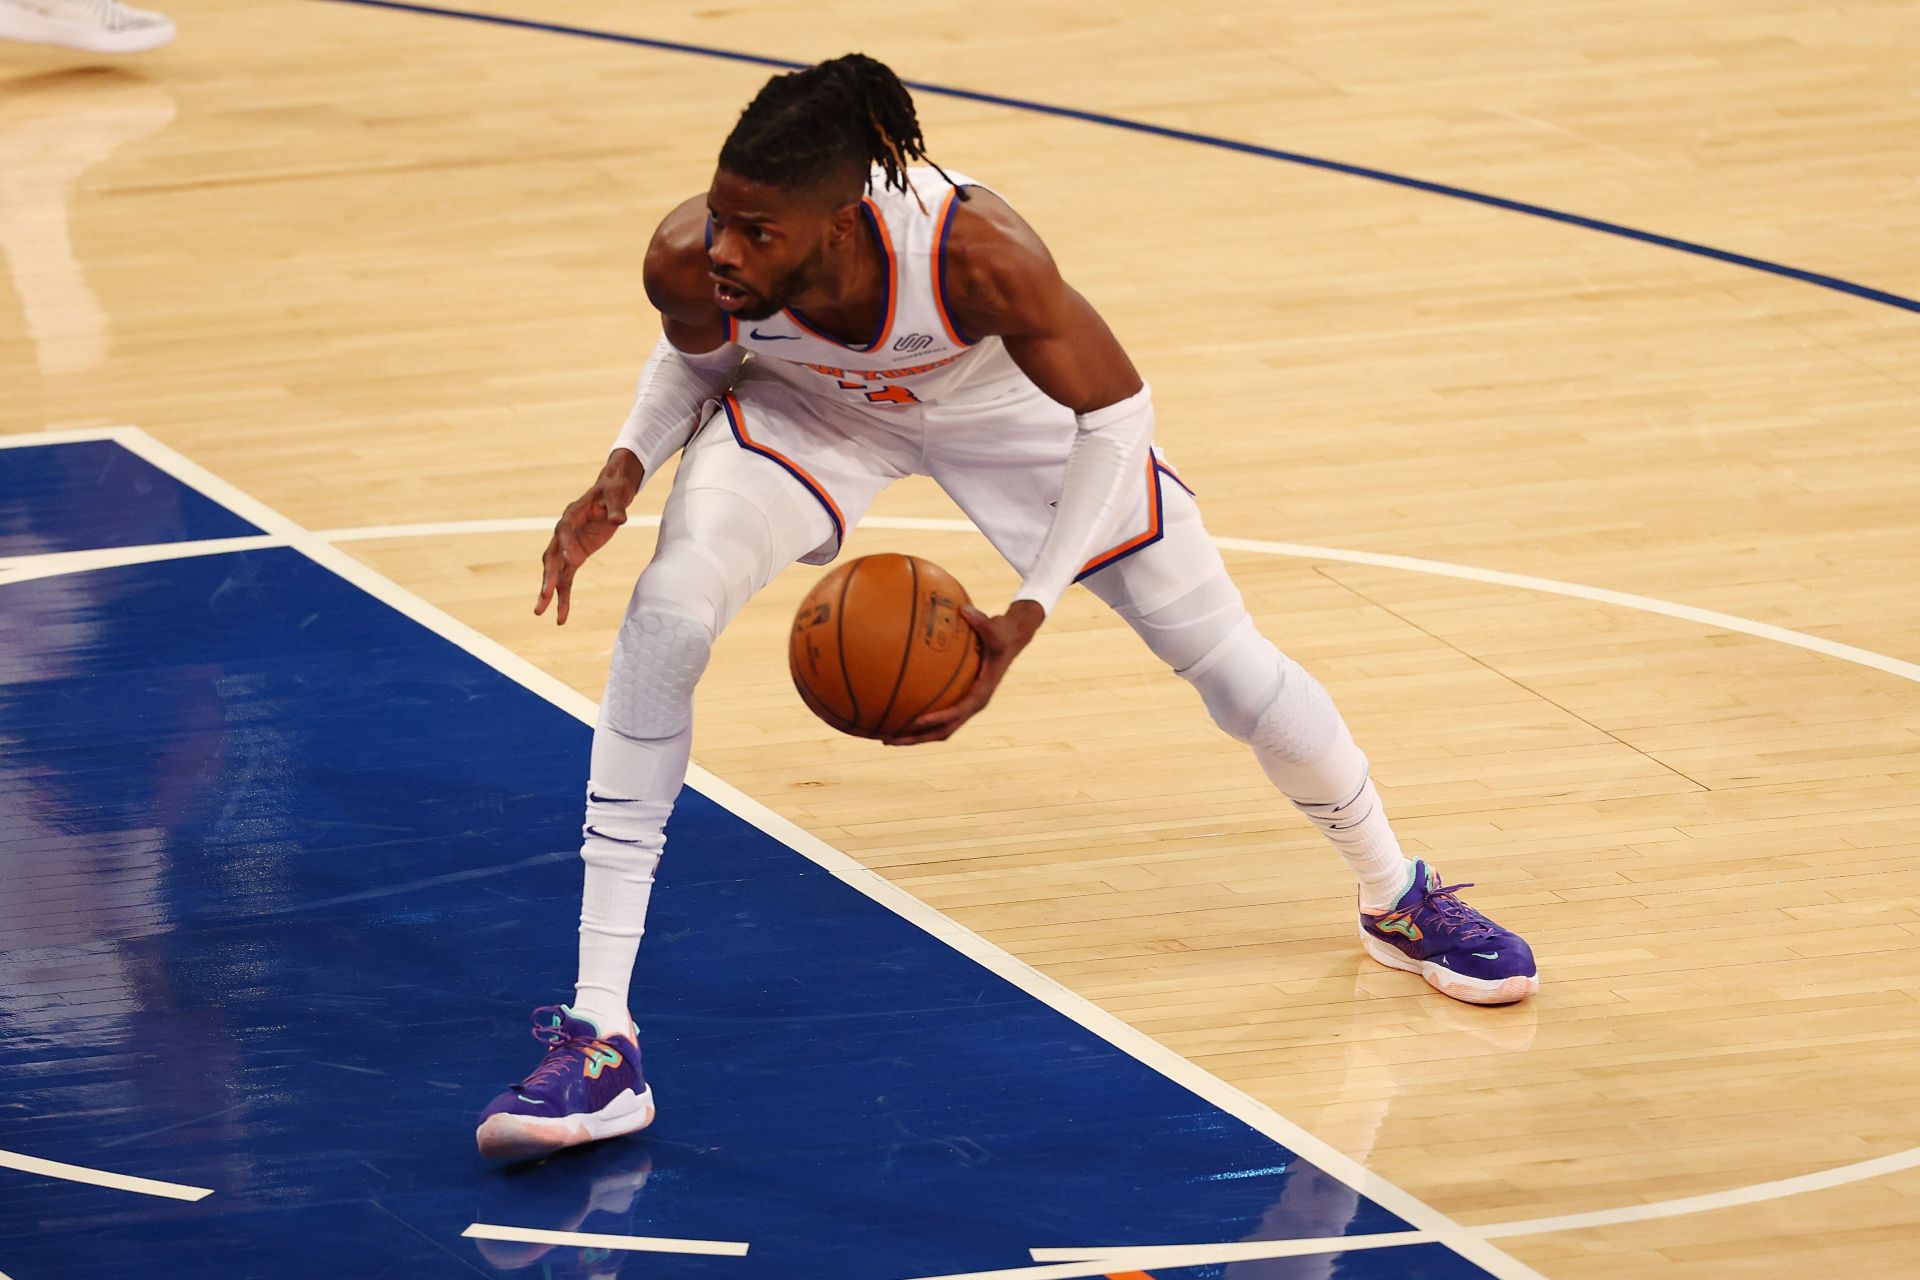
1456, 916
560, 1048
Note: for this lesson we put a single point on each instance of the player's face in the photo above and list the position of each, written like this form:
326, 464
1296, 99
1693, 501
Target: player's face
769, 244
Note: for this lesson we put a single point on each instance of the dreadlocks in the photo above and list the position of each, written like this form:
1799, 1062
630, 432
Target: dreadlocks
844, 115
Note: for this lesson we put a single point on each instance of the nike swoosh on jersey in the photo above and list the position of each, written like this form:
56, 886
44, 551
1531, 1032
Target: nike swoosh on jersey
774, 337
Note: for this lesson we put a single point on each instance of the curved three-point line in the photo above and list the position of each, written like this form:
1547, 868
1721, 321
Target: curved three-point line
1816, 278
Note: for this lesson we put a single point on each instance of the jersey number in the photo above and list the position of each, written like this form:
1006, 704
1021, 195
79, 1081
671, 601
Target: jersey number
893, 395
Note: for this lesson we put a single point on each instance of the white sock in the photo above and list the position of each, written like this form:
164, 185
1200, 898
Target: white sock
1305, 747
641, 748
621, 848
1358, 828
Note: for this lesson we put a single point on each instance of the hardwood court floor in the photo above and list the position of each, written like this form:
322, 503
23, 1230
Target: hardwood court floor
382, 268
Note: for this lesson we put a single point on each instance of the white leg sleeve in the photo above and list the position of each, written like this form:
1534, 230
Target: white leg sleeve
1270, 702
733, 521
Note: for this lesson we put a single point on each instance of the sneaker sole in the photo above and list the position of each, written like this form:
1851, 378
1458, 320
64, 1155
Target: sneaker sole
1448, 983
73, 35
510, 1137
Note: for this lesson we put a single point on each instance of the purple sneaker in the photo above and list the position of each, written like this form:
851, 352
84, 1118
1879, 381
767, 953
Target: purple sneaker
588, 1087
1457, 950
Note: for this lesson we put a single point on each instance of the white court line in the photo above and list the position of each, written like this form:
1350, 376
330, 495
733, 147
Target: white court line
590, 1240
519, 524
1755, 1193
1176, 1256
1093, 1262
1599, 595
1293, 550
541, 524
54, 563
963, 939
1138, 1257
100, 1178
83, 435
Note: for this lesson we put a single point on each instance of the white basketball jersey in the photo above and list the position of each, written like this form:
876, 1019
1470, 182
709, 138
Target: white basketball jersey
918, 356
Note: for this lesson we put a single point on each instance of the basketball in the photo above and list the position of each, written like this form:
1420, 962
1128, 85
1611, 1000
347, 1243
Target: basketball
881, 641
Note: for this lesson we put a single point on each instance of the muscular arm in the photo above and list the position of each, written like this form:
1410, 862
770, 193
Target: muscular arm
1008, 285
1002, 281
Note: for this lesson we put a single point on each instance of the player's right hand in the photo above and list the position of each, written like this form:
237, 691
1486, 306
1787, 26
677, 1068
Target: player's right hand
588, 524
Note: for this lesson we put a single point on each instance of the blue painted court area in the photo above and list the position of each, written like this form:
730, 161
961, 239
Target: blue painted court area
282, 873
96, 494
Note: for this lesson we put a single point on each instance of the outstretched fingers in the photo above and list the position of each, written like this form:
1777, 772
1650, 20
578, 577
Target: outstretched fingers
557, 566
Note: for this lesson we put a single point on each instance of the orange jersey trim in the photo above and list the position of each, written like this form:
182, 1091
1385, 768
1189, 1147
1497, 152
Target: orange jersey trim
1155, 527
893, 273
737, 419
893, 287
938, 265
1167, 469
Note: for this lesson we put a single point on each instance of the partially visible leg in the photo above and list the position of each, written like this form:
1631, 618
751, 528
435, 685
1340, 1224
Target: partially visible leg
732, 522
1004, 464
1177, 596
1270, 702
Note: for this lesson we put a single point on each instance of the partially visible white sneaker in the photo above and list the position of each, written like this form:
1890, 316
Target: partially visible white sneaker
97, 26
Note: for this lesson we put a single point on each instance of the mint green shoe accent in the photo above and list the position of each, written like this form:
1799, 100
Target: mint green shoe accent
599, 1031
1402, 926
1401, 892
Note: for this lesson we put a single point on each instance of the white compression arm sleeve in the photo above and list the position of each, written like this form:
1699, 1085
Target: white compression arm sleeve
1109, 453
666, 406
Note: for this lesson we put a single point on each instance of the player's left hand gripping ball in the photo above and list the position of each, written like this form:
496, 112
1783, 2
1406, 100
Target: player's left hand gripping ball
1001, 640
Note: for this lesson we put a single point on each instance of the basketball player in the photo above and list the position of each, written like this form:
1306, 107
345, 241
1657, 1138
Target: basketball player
97, 26
837, 317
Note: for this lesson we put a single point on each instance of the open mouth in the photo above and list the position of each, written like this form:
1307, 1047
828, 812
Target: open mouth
730, 297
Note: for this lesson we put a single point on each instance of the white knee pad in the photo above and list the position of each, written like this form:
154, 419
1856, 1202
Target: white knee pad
715, 551
1269, 701
1259, 695
657, 660
1238, 678
639, 758
718, 547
